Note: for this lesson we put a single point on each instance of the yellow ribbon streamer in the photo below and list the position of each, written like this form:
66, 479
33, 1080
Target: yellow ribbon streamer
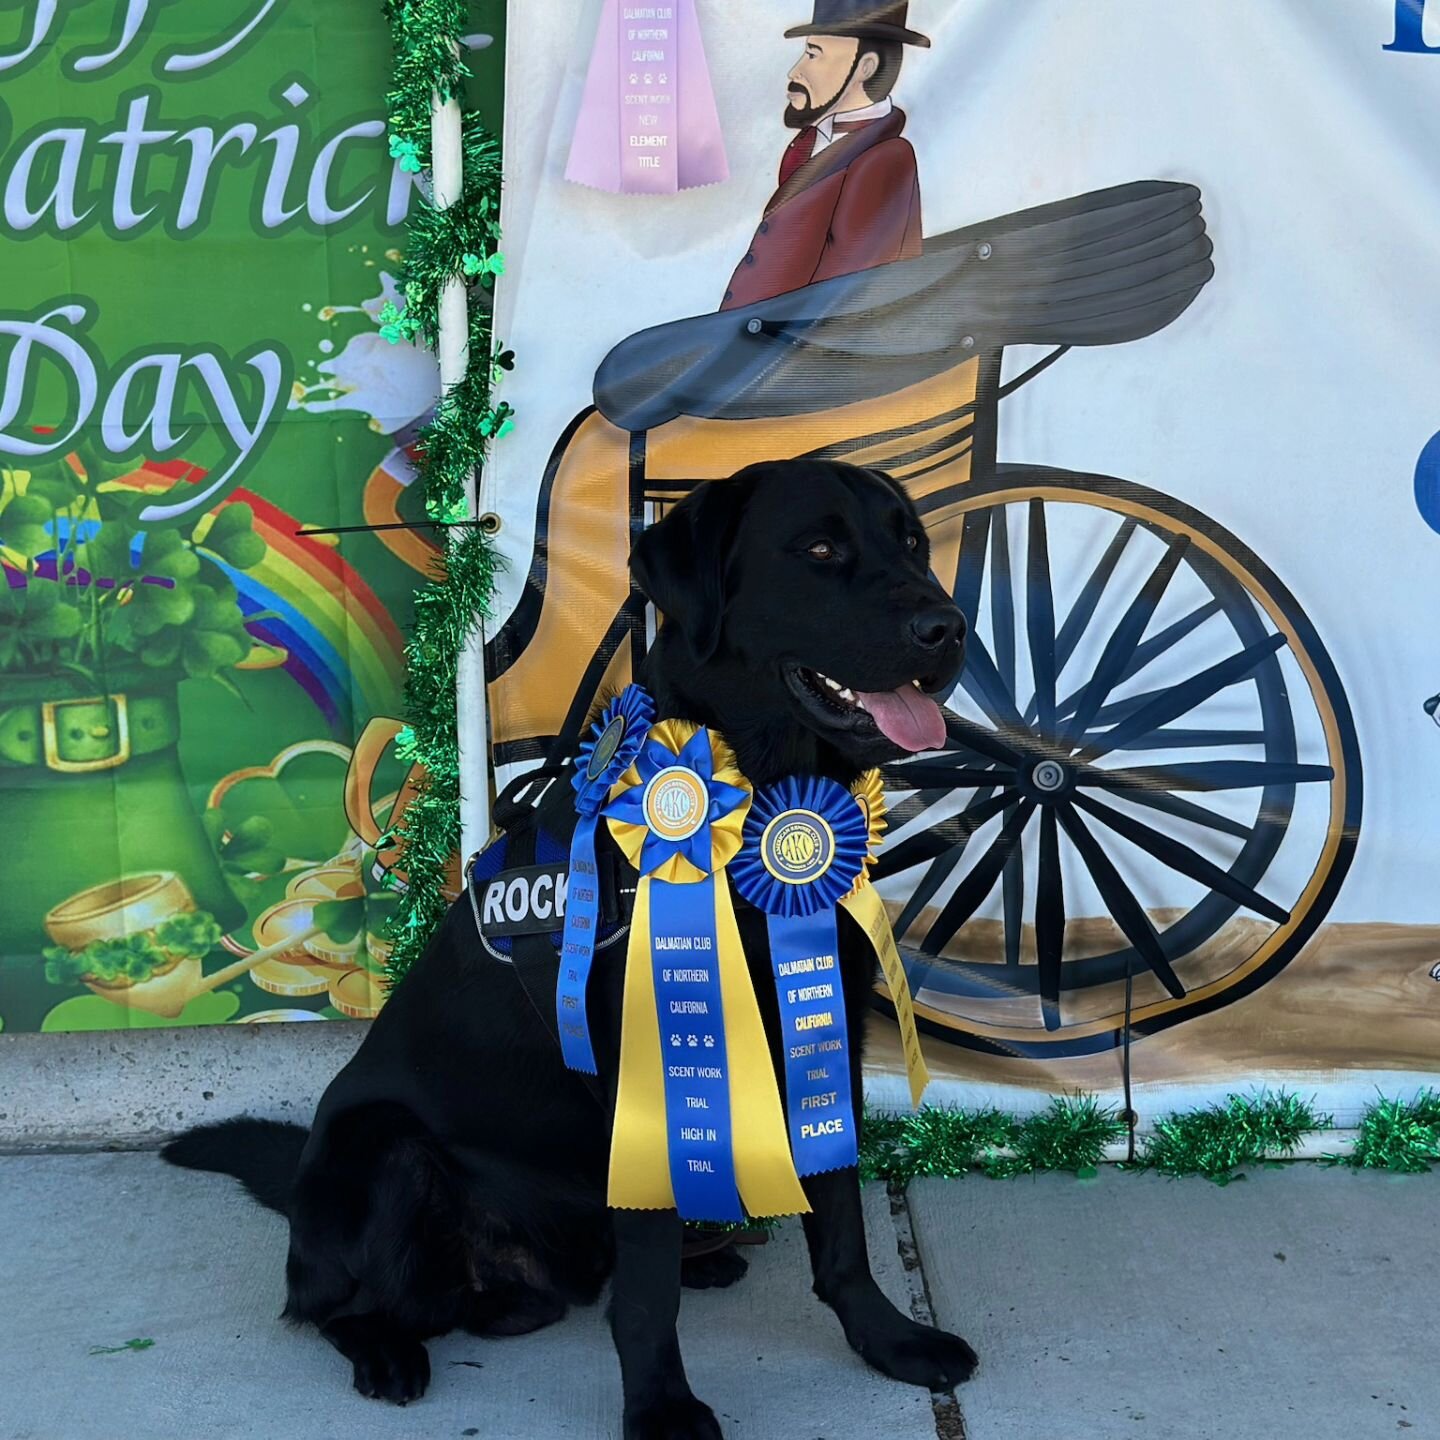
639, 1145
868, 910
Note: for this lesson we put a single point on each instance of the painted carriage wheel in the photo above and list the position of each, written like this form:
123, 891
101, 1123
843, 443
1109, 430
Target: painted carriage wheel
1152, 779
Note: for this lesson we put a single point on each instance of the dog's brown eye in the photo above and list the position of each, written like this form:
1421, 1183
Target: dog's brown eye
822, 550
912, 542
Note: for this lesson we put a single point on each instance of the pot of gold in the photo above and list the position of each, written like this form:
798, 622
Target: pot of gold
127, 906
137, 941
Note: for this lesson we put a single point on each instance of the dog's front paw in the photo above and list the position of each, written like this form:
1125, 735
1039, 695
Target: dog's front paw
918, 1355
397, 1369
714, 1271
677, 1419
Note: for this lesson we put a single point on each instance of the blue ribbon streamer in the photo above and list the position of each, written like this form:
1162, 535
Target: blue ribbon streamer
614, 742
577, 948
805, 958
685, 956
804, 846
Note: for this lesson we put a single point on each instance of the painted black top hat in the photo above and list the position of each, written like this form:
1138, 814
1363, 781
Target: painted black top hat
863, 19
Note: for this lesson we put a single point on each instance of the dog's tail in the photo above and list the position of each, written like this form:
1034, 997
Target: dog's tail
263, 1155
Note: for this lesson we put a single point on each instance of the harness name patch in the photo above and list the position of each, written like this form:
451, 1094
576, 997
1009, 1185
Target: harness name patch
529, 900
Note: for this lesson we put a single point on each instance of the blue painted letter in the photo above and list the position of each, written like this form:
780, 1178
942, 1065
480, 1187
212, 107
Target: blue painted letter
1409, 24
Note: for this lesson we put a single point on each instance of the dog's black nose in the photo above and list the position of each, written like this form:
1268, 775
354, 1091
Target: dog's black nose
937, 627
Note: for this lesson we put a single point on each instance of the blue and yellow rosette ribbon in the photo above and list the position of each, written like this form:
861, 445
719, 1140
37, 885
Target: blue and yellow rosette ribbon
803, 850
609, 750
698, 1122
867, 909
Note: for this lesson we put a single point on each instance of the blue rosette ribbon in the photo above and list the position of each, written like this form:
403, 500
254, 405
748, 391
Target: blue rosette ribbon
803, 849
609, 750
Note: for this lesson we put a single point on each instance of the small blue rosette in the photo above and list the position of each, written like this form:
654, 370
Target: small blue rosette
804, 846
609, 750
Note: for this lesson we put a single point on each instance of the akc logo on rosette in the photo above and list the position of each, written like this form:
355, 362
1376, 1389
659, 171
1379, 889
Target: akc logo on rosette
614, 742
698, 1122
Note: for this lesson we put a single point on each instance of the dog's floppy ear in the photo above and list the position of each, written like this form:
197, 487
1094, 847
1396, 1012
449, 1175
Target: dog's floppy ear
679, 562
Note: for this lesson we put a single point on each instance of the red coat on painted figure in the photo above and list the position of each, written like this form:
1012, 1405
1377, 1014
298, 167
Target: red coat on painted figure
853, 206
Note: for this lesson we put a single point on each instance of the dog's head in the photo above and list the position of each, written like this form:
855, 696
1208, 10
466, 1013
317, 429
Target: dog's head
801, 618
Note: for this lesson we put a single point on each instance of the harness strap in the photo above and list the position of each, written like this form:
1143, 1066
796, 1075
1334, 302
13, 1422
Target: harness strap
533, 959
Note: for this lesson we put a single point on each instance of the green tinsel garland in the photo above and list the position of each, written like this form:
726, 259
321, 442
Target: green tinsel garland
1073, 1133
1243, 1131
1070, 1134
441, 244
1397, 1136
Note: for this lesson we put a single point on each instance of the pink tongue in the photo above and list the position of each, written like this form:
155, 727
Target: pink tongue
906, 716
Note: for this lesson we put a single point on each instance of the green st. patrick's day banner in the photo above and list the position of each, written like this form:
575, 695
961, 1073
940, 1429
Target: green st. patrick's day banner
197, 752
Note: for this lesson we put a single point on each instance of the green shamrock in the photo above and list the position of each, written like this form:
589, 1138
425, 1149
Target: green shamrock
340, 920
250, 848
232, 536
407, 152
27, 524
190, 933
34, 619
157, 594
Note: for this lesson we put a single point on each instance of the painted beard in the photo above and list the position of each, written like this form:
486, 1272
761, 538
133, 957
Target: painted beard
797, 117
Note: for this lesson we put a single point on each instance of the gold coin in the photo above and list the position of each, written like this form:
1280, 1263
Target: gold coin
281, 922
330, 952
357, 994
276, 1017
327, 882
281, 977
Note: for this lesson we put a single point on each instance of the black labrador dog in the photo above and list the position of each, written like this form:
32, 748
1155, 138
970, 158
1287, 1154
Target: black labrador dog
455, 1173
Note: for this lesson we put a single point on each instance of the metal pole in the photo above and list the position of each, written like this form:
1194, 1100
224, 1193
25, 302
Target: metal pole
472, 727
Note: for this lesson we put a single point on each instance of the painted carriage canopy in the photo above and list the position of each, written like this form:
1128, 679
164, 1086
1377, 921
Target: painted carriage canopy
200, 221
1155, 377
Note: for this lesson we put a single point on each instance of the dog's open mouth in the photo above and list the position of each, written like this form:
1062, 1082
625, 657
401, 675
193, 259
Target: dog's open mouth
907, 716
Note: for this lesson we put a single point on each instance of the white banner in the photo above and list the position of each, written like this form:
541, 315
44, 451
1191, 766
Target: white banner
1230, 261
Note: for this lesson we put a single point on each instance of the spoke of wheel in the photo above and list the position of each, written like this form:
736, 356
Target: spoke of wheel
1012, 890
1183, 698
1150, 650
1186, 810
1049, 919
1002, 598
1083, 610
1206, 775
939, 872
1040, 620
1168, 638
967, 735
1125, 909
982, 679
1167, 739
1118, 711
1125, 638
917, 802
1182, 859
940, 837
937, 774
970, 893
974, 537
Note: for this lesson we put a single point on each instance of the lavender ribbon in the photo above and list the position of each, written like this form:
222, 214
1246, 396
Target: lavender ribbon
648, 123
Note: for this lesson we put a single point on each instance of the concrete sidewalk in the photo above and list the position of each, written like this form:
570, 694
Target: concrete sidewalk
1292, 1306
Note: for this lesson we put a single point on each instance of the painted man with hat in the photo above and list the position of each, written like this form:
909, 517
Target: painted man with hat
849, 194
